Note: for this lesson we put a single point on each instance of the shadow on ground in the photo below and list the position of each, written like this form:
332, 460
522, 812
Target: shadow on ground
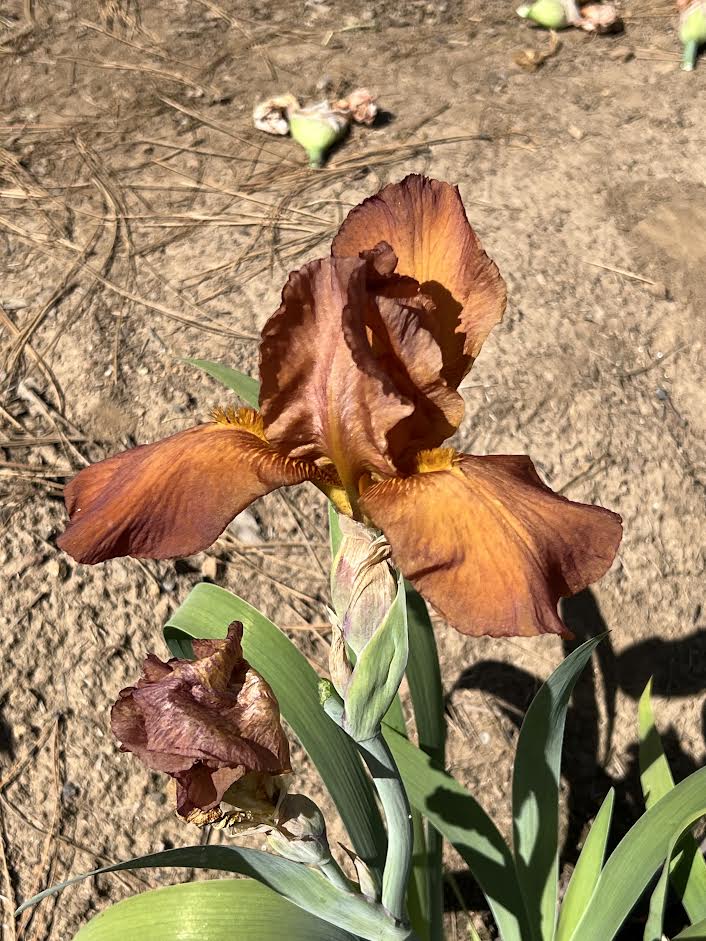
6, 737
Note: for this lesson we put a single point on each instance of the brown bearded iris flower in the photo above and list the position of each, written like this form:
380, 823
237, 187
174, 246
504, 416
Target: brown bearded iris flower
212, 724
359, 369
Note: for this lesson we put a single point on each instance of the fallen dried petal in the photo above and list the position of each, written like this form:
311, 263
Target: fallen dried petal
600, 18
272, 115
532, 59
361, 105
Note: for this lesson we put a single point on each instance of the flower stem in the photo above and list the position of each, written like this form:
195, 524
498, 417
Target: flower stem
691, 47
335, 874
395, 805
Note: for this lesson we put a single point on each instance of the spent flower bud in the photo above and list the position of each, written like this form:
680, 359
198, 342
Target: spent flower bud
551, 14
600, 18
272, 115
317, 128
209, 723
361, 104
370, 628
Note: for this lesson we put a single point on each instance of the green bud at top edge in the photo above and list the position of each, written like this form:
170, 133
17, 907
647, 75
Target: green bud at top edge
550, 14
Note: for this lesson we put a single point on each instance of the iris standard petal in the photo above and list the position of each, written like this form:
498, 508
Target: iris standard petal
409, 354
324, 393
490, 545
175, 497
425, 223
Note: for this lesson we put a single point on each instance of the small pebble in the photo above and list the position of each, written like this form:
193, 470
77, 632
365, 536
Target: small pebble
70, 792
661, 394
13, 303
57, 568
168, 582
621, 55
484, 738
575, 132
209, 568
157, 797
246, 529
658, 289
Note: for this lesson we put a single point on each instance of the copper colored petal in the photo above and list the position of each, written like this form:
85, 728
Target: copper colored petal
257, 716
323, 392
207, 722
172, 498
397, 320
411, 356
128, 726
127, 723
203, 788
488, 544
153, 669
218, 664
425, 223
205, 730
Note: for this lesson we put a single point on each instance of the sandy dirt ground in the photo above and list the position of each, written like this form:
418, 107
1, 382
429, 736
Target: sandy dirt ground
142, 219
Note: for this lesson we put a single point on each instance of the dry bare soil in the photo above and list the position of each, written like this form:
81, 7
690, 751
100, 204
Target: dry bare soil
142, 220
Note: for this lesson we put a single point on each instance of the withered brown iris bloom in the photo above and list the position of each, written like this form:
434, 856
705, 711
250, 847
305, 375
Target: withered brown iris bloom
209, 723
359, 369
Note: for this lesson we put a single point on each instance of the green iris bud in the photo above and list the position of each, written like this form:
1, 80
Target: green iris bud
317, 129
370, 644
363, 585
692, 32
300, 834
548, 13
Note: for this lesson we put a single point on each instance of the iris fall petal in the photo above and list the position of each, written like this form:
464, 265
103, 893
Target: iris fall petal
490, 545
175, 497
